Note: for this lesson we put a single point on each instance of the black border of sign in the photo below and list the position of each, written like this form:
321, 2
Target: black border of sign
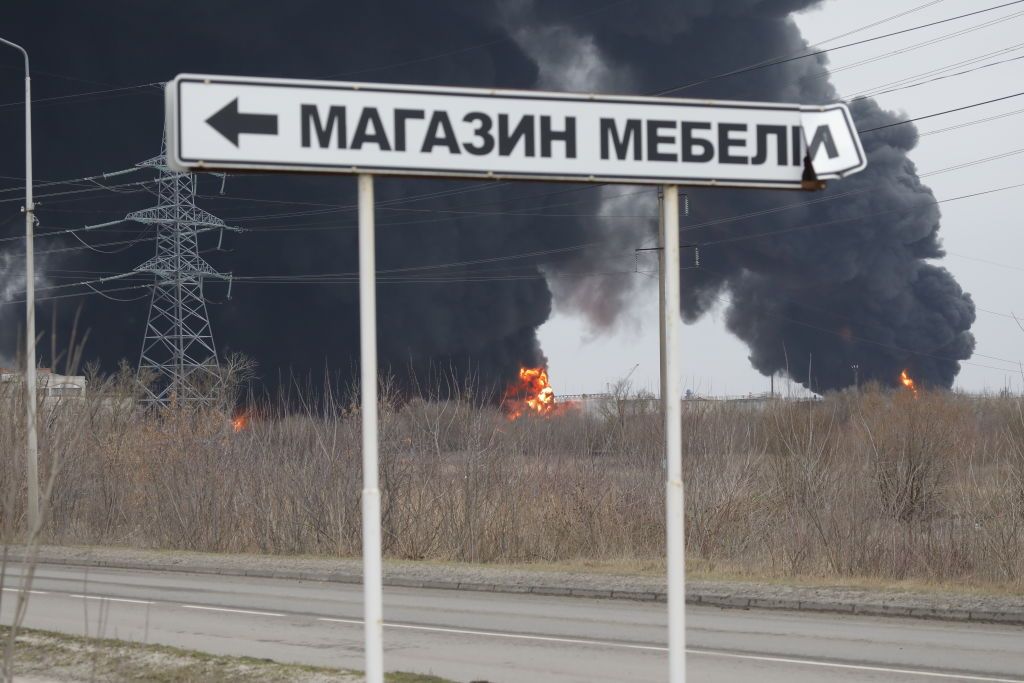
214, 164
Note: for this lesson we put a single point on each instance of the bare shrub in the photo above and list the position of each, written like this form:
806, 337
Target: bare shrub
720, 453
911, 442
874, 483
1014, 437
816, 505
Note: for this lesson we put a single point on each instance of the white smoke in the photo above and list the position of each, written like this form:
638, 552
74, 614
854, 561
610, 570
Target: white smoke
12, 296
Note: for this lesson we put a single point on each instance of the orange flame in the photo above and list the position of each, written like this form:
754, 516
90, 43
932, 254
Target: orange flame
240, 422
532, 394
908, 382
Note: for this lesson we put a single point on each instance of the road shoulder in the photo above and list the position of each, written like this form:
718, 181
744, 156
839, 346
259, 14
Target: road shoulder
946, 605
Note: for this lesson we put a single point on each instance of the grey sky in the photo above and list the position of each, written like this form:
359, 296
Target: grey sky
980, 234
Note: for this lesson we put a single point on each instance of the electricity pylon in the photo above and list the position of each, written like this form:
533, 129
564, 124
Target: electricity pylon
178, 350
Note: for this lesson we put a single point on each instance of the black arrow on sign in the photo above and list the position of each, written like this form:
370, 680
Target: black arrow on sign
230, 123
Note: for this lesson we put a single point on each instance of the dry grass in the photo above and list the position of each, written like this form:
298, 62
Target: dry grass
60, 657
876, 485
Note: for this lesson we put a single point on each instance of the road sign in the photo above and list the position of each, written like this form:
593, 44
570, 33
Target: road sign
264, 124
229, 122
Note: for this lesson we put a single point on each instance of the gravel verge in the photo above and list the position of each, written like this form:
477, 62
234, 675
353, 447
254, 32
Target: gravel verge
47, 657
1005, 609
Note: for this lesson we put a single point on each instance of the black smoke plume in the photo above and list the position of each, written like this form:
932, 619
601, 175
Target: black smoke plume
856, 291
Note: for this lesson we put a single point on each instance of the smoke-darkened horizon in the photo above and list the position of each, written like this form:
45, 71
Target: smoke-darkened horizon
808, 301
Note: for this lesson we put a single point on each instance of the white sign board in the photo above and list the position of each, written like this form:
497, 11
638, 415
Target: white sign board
227, 122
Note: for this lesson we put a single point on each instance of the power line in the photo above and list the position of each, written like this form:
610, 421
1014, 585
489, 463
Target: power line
141, 236
708, 223
885, 20
772, 233
915, 82
941, 113
476, 187
827, 198
340, 208
545, 214
329, 208
722, 299
336, 208
840, 195
73, 295
764, 65
97, 281
705, 244
70, 181
982, 260
825, 73
1011, 316
973, 122
443, 193
161, 84
126, 89
892, 17
975, 162
58, 250
39, 72
83, 190
68, 231
942, 78
122, 90
712, 222
105, 295
718, 221
350, 278
343, 278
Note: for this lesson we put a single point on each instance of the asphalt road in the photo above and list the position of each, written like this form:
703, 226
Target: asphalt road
505, 638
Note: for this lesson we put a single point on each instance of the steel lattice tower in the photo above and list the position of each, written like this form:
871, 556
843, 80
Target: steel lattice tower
178, 346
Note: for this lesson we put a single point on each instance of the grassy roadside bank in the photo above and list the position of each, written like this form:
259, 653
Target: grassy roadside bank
44, 655
891, 487
615, 573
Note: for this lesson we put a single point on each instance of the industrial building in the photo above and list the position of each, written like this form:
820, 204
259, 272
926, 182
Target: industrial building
51, 386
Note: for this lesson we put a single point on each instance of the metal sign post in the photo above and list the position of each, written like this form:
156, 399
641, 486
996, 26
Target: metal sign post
373, 592
672, 401
661, 293
295, 126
